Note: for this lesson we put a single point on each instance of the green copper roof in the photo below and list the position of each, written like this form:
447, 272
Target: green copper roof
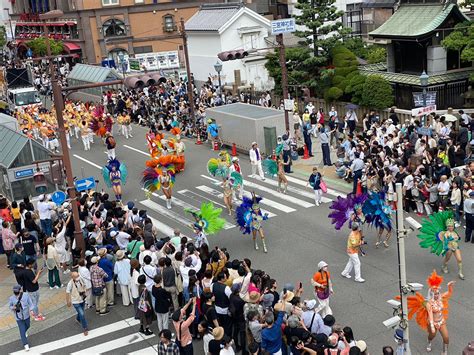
415, 20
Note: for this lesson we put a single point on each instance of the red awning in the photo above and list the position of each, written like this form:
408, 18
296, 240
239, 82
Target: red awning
71, 46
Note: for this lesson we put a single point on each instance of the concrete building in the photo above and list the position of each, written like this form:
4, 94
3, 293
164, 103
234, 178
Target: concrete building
226, 27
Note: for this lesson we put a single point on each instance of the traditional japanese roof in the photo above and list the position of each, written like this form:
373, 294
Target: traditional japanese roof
412, 21
12, 144
93, 73
212, 18
370, 4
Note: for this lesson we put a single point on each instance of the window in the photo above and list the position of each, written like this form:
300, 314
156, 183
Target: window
110, 2
114, 27
168, 23
250, 41
142, 49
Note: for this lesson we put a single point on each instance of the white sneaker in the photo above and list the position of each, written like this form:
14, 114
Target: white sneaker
27, 347
347, 276
317, 204
361, 280
56, 287
457, 225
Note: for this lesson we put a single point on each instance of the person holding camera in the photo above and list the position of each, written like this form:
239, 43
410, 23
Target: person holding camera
21, 304
76, 296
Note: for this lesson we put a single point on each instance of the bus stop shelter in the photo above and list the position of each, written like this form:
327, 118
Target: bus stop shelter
19, 160
83, 74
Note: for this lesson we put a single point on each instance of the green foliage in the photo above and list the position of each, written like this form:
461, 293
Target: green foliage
355, 88
38, 46
333, 94
298, 65
3, 36
377, 93
376, 54
461, 39
357, 46
345, 63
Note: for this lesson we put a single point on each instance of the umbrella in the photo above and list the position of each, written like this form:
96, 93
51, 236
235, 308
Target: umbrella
450, 118
352, 106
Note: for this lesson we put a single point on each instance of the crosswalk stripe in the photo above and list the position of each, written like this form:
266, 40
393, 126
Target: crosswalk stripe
272, 192
114, 344
152, 350
166, 212
295, 190
198, 197
137, 150
184, 204
87, 161
303, 183
216, 193
79, 338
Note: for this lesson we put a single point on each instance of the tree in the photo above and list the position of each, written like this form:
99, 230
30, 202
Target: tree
297, 65
323, 24
345, 67
333, 94
376, 54
3, 36
355, 88
377, 93
38, 46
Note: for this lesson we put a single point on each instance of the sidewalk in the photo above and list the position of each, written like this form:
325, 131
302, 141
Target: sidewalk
302, 168
52, 304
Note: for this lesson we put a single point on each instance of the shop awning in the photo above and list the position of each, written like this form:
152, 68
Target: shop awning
71, 47
412, 21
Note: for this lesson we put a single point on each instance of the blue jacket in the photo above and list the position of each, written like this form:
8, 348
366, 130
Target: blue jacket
272, 337
314, 181
108, 267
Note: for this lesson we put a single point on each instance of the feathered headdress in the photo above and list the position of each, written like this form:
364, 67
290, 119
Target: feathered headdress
208, 218
243, 214
270, 167
377, 212
343, 208
151, 181
236, 179
107, 169
217, 168
430, 231
435, 280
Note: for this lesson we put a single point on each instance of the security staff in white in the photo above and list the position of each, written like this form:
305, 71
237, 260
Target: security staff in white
256, 160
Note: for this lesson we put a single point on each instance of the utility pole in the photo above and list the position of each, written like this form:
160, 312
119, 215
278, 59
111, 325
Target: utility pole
188, 71
284, 76
59, 107
402, 271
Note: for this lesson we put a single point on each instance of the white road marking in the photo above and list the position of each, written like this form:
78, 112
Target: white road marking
114, 344
152, 350
137, 150
79, 338
183, 204
218, 194
87, 161
166, 212
272, 192
198, 197
303, 183
295, 190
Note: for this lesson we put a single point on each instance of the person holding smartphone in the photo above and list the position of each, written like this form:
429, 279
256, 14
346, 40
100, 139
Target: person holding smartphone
31, 286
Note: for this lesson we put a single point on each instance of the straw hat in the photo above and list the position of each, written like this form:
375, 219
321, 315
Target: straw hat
254, 296
102, 252
218, 333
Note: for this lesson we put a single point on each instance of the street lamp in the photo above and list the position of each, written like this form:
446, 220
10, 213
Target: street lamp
59, 107
424, 83
218, 68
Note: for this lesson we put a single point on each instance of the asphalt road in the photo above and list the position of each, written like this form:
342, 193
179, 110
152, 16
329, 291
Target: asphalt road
298, 237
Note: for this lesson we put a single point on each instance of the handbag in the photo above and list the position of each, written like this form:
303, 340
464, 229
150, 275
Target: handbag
142, 303
178, 282
97, 291
323, 186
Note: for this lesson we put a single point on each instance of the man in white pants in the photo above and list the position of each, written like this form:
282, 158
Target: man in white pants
354, 241
256, 160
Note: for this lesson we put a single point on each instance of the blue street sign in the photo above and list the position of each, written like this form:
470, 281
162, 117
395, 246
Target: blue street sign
24, 173
286, 25
58, 197
85, 184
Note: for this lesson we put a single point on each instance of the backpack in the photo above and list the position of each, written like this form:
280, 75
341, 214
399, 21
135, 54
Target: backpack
112, 142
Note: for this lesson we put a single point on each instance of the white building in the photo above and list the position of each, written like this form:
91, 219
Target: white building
5, 10
226, 27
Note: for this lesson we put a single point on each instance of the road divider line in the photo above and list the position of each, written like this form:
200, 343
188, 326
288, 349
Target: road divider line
295, 190
87, 161
137, 150
114, 344
194, 196
272, 192
152, 350
166, 212
79, 338
218, 194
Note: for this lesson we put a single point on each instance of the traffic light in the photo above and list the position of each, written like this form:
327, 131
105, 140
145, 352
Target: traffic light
39, 181
232, 55
140, 81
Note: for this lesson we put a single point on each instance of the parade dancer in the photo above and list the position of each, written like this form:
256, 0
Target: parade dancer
166, 187
256, 161
432, 312
438, 234
115, 174
378, 214
227, 194
276, 167
160, 177
354, 241
85, 135
239, 189
111, 144
249, 217
207, 222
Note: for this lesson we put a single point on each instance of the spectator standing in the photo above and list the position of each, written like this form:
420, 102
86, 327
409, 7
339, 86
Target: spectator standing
20, 303
30, 246
315, 182
351, 119
44, 210
324, 137
8, 241
98, 286
272, 335
222, 294
76, 296
85, 275
182, 325
31, 286
133, 283
145, 309
166, 345
162, 303
108, 267
122, 270
469, 213
52, 263
18, 263
256, 160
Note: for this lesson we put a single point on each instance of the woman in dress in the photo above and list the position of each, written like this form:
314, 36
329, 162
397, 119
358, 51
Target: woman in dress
165, 181
61, 244
227, 187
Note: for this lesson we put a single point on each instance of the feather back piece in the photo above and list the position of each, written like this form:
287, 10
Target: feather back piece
430, 231
270, 167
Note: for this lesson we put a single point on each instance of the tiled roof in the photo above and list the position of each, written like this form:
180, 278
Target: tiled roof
12, 143
211, 18
415, 20
92, 73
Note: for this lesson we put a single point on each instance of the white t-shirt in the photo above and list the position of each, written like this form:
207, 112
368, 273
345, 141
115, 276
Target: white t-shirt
44, 210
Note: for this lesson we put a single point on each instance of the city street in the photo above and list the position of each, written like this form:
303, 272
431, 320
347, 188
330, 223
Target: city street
299, 235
